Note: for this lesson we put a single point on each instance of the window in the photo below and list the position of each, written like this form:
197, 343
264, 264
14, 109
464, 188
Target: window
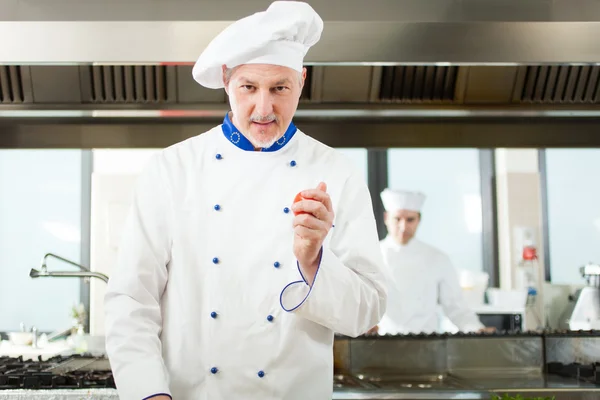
452, 212
573, 207
40, 212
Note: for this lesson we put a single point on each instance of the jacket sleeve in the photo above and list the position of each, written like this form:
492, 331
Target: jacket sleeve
349, 292
453, 302
132, 302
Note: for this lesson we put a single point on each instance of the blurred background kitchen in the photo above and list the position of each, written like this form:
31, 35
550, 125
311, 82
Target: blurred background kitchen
497, 123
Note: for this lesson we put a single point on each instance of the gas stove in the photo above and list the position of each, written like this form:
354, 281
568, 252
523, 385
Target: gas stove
72, 372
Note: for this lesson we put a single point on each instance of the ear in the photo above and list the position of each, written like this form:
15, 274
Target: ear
303, 79
225, 83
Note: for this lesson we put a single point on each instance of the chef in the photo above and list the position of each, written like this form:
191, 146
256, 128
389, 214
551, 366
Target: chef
423, 275
225, 286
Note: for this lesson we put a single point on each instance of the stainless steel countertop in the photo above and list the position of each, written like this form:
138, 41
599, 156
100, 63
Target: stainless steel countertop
571, 393
111, 394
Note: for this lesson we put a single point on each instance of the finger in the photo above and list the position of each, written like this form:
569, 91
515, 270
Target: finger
318, 195
317, 209
307, 233
308, 221
322, 186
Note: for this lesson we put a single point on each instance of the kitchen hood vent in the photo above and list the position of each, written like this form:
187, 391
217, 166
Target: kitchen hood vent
570, 84
11, 85
128, 84
416, 84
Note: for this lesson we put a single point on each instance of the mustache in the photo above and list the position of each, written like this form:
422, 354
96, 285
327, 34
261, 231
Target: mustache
265, 118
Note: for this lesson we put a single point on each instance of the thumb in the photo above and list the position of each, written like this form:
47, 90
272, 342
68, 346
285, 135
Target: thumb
322, 186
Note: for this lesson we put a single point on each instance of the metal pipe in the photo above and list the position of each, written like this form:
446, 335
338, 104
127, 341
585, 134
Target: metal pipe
81, 267
34, 273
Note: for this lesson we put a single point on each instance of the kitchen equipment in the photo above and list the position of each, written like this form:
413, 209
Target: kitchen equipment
20, 338
82, 273
72, 372
502, 320
581, 372
516, 298
583, 311
473, 285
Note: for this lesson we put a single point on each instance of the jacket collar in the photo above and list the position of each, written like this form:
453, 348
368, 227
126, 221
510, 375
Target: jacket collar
234, 135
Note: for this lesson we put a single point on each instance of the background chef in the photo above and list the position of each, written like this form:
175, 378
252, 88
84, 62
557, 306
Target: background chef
221, 291
423, 275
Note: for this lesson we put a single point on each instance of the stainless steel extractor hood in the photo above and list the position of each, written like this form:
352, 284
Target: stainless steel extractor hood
408, 72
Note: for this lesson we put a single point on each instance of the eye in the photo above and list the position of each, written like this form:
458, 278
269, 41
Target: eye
248, 87
280, 88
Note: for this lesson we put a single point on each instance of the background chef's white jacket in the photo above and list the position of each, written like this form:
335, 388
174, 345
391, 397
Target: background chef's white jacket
424, 277
196, 307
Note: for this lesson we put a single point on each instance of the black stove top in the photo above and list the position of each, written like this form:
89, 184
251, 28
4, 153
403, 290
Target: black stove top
582, 372
72, 372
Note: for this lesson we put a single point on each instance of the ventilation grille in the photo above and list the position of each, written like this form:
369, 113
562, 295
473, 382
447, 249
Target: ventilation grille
412, 84
561, 84
306, 94
128, 84
11, 85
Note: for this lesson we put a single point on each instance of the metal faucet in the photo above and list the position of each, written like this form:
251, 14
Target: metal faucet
82, 273
34, 333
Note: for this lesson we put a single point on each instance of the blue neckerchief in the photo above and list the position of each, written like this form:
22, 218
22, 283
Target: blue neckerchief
235, 136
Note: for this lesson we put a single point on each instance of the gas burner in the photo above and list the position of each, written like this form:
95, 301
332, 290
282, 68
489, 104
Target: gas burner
582, 372
73, 372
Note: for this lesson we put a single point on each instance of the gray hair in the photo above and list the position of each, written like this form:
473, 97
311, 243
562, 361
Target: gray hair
229, 73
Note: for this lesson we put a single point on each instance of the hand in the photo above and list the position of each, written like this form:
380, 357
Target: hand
373, 330
311, 228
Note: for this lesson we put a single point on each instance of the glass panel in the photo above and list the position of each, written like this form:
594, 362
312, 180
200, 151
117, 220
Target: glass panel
573, 190
40, 212
452, 212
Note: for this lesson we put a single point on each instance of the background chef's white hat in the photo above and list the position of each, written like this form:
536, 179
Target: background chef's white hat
394, 200
281, 35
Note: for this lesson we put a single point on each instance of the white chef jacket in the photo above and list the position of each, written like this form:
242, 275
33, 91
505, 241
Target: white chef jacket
423, 279
207, 300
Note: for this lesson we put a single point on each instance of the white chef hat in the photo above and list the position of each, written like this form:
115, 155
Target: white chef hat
281, 35
394, 200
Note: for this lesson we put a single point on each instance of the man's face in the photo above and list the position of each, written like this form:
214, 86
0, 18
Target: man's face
263, 100
402, 224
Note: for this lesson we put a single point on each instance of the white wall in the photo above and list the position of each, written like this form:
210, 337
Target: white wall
519, 207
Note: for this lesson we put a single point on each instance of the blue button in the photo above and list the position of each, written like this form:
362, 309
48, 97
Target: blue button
218, 156
286, 210
270, 318
213, 314
215, 260
217, 207
293, 163
276, 264
261, 374
214, 370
